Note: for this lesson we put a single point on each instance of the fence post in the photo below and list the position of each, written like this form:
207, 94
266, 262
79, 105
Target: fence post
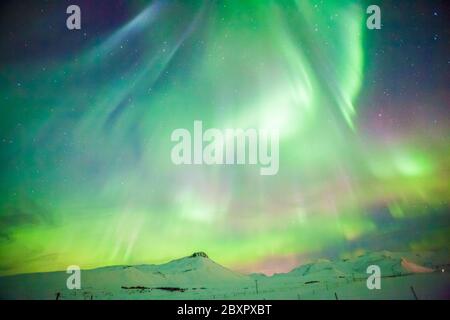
414, 293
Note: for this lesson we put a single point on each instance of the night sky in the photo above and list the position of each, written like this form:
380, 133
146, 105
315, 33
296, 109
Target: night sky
86, 118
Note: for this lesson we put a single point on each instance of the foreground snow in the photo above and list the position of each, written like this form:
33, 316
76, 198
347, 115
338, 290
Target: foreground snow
198, 277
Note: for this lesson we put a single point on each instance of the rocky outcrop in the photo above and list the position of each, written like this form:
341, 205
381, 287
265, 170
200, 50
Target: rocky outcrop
199, 254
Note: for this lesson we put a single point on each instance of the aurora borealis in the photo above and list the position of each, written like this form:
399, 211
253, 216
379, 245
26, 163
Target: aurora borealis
86, 119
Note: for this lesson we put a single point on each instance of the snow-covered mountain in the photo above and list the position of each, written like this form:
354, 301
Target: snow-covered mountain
403, 275
356, 267
195, 272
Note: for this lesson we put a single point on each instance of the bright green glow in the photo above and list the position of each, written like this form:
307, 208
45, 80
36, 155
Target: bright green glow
91, 182
337, 30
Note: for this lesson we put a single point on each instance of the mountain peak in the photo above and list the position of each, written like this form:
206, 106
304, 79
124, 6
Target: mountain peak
199, 254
